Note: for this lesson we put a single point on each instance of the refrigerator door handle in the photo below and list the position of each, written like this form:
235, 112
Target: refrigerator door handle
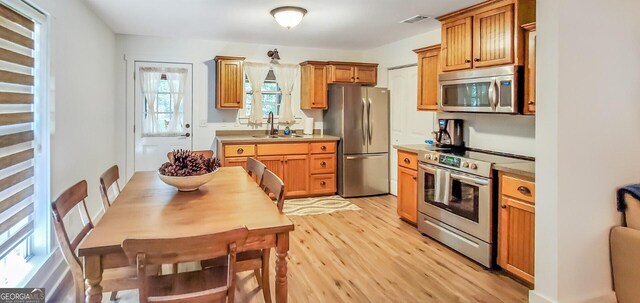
364, 125
369, 120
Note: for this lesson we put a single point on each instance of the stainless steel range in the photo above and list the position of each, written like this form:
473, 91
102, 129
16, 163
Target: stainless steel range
456, 200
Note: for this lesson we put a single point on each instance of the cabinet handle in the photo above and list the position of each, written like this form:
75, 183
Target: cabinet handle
476, 59
524, 190
406, 160
467, 61
323, 163
357, 78
503, 206
414, 178
323, 183
531, 102
240, 150
323, 148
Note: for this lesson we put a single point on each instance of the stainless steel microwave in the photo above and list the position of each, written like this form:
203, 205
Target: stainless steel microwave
487, 90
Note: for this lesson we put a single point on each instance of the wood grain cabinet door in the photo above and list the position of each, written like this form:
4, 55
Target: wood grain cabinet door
275, 164
428, 70
313, 86
456, 45
516, 234
530, 69
366, 74
229, 88
296, 175
341, 74
493, 37
408, 194
242, 162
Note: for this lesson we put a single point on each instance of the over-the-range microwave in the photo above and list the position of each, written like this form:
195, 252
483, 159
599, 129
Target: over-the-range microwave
486, 90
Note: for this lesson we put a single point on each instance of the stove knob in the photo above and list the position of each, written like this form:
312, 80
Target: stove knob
474, 166
465, 164
427, 156
435, 158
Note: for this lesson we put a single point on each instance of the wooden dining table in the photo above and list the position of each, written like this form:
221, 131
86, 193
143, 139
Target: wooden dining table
148, 208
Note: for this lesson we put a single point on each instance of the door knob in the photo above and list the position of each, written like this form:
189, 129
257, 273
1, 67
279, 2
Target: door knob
187, 135
187, 125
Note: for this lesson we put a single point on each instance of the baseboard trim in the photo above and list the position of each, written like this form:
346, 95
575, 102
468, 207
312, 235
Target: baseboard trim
609, 297
535, 297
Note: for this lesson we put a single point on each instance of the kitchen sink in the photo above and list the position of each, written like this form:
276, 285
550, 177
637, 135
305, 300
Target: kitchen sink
265, 136
277, 136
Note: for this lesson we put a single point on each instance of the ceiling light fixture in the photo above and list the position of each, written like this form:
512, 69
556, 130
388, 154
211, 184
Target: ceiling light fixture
288, 16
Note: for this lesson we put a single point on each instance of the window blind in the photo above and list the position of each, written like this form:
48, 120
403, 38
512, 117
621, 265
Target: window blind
17, 34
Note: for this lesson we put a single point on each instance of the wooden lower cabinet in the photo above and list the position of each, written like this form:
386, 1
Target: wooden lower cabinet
306, 168
516, 226
407, 189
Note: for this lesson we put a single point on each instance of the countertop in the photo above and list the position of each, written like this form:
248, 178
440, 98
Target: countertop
260, 137
516, 166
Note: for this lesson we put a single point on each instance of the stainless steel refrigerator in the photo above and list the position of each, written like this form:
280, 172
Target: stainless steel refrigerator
360, 117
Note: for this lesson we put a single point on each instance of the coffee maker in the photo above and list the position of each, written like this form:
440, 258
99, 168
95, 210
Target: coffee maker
449, 133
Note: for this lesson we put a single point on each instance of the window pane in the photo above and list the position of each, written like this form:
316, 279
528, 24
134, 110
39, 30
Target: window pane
163, 103
271, 96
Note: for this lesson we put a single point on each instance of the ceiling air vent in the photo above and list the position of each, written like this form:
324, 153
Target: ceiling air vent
415, 19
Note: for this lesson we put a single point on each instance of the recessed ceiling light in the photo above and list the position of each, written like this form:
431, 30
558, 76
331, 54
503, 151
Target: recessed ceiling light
288, 16
414, 19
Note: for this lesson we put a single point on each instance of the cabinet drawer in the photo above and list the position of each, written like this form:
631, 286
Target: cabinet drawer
283, 149
239, 150
323, 184
518, 188
323, 164
323, 147
408, 160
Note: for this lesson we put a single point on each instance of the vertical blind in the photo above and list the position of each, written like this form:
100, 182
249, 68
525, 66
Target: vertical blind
16, 129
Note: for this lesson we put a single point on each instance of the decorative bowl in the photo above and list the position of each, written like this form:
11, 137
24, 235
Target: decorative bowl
188, 183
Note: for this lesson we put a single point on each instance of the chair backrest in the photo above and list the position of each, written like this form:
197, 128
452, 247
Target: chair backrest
108, 178
256, 168
273, 184
145, 252
67, 201
204, 153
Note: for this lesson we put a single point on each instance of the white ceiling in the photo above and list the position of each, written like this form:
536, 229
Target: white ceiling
335, 24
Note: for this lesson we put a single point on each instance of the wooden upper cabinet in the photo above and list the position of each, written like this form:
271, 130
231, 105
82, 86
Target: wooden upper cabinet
428, 70
352, 72
229, 82
456, 44
313, 88
529, 68
493, 37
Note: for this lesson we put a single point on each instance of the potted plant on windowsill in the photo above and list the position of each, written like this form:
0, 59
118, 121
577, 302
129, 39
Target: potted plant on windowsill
187, 171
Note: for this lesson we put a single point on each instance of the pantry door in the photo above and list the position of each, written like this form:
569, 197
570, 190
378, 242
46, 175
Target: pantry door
163, 112
408, 125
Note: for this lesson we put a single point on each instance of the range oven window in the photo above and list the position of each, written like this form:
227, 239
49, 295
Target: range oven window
464, 200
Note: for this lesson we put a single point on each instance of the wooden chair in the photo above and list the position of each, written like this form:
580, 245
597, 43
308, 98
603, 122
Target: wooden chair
113, 279
108, 179
205, 153
206, 285
256, 168
258, 260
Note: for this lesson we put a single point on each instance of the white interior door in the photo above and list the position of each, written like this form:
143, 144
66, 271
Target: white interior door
408, 125
163, 112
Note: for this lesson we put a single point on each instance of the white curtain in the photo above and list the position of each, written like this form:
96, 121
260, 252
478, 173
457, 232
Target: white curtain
286, 76
256, 73
177, 79
149, 80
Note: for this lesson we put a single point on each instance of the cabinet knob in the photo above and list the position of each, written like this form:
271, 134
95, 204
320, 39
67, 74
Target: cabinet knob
503, 206
531, 102
414, 178
524, 190
238, 102
323, 147
323, 183
240, 150
357, 78
467, 61
476, 59
406, 160
323, 163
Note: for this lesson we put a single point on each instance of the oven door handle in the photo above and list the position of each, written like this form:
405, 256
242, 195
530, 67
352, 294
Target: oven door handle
470, 180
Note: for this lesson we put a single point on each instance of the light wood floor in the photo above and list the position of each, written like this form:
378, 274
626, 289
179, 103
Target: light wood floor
372, 256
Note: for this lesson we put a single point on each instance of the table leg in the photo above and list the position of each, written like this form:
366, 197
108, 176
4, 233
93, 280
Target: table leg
93, 277
282, 249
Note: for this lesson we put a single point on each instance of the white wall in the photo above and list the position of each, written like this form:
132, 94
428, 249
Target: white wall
503, 133
587, 144
200, 53
82, 90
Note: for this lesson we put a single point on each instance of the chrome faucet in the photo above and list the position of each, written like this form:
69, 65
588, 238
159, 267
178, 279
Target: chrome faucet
272, 130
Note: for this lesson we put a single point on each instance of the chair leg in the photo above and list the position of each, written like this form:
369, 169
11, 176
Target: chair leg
266, 286
114, 295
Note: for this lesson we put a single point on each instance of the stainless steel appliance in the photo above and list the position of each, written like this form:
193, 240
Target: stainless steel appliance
449, 133
456, 200
360, 117
487, 90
